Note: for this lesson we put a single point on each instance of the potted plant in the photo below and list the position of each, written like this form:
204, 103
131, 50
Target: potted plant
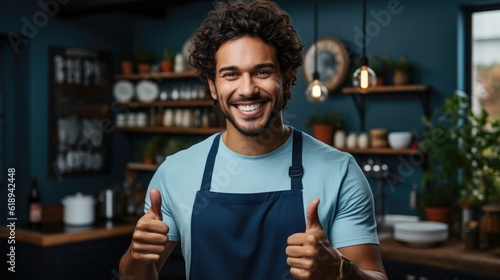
127, 63
167, 64
401, 71
154, 148
144, 58
462, 151
380, 65
323, 125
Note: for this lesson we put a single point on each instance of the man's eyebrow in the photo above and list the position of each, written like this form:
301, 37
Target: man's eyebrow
256, 67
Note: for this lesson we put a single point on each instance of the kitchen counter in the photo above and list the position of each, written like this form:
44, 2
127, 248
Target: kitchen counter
449, 255
58, 234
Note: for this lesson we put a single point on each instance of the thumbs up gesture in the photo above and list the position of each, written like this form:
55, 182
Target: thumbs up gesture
150, 234
310, 255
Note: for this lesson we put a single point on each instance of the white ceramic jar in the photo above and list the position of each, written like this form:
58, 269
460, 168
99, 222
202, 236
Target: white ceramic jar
339, 139
78, 209
351, 140
363, 140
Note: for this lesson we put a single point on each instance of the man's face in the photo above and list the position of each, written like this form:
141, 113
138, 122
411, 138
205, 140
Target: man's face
248, 85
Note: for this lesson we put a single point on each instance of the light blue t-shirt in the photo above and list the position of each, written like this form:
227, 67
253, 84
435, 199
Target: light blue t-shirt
346, 207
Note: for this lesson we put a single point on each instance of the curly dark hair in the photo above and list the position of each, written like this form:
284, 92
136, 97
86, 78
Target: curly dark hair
261, 18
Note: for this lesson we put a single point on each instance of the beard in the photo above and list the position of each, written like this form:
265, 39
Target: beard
251, 127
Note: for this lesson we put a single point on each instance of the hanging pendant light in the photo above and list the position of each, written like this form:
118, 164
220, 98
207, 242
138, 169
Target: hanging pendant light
364, 77
316, 91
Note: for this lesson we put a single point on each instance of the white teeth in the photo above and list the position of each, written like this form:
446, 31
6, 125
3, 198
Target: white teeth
248, 108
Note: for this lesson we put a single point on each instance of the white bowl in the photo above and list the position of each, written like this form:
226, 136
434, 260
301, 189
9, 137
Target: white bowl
399, 140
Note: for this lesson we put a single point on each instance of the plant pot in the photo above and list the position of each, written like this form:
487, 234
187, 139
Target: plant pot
149, 160
401, 78
166, 66
143, 68
323, 132
127, 67
438, 214
380, 81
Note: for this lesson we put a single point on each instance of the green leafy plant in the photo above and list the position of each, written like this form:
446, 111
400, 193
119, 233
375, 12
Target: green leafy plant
380, 65
168, 55
402, 64
144, 56
331, 118
462, 151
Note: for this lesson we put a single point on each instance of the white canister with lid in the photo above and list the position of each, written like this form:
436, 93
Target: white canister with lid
339, 139
78, 209
363, 140
351, 140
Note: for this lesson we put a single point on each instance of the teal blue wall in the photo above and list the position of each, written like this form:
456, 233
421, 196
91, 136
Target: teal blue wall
425, 31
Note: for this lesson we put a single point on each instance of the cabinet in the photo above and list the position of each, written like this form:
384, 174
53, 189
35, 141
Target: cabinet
359, 99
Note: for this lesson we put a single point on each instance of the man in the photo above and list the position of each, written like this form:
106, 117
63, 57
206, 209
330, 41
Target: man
244, 203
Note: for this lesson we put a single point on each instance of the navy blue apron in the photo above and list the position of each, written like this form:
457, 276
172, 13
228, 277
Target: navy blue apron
244, 236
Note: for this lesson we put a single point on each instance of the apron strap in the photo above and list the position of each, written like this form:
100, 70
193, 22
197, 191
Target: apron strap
296, 171
209, 165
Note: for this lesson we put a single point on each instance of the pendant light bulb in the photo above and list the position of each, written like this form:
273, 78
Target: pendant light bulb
364, 78
316, 91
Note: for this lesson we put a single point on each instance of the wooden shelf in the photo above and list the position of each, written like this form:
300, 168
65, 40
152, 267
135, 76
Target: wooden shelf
380, 151
139, 166
172, 130
160, 75
171, 103
387, 89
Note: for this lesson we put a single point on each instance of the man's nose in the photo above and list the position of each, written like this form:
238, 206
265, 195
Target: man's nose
247, 85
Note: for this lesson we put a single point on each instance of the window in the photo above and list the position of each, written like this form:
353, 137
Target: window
485, 64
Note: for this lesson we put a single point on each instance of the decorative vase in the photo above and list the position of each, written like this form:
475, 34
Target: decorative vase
323, 132
438, 214
466, 215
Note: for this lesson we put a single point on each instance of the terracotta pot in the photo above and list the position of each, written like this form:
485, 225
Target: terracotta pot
166, 66
380, 81
323, 132
127, 67
143, 68
438, 214
149, 160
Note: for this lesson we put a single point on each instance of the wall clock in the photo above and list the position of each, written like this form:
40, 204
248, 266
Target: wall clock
333, 63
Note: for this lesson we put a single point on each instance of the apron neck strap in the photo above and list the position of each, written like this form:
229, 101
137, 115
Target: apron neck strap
296, 171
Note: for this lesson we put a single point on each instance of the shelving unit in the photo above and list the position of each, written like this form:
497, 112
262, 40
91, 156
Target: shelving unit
172, 130
139, 166
359, 98
380, 151
159, 76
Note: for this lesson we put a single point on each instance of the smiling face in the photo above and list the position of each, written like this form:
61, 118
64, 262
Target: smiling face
248, 85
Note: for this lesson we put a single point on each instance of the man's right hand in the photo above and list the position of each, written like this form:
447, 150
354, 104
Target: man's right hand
150, 234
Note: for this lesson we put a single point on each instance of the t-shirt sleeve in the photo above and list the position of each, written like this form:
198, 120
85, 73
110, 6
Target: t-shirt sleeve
159, 181
354, 222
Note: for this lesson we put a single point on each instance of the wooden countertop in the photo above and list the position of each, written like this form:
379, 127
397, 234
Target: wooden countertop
64, 235
449, 255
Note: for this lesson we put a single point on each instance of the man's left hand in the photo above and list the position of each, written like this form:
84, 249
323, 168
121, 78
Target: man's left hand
310, 255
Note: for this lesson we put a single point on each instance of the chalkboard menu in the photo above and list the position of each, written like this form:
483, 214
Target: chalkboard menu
79, 116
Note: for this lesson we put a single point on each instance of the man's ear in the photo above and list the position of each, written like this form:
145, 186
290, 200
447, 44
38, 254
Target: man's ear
213, 92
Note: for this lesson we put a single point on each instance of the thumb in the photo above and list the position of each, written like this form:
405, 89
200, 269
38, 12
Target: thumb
313, 221
155, 198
